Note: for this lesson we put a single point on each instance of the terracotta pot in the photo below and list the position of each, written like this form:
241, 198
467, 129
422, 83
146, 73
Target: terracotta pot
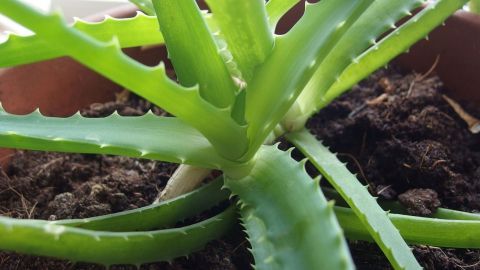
457, 45
61, 87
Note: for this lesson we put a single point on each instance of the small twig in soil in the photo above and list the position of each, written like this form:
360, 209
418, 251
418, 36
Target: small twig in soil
387, 86
25, 203
357, 110
377, 100
370, 102
407, 165
472, 122
419, 77
424, 156
383, 189
455, 261
48, 164
437, 162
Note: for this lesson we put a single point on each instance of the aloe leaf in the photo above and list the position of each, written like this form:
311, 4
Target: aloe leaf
277, 8
279, 204
296, 55
167, 213
140, 30
193, 51
397, 42
148, 136
220, 129
44, 238
160, 215
244, 26
372, 216
378, 18
417, 230
397, 208
144, 5
137, 31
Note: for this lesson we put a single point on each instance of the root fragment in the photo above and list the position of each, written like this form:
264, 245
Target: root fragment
472, 122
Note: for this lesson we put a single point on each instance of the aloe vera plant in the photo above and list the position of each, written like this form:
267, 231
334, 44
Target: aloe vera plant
239, 87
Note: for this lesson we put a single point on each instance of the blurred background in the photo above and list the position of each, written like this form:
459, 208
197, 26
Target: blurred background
78, 8
70, 9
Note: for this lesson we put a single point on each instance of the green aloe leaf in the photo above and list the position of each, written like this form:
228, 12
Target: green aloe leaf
132, 32
160, 215
378, 18
244, 26
417, 230
397, 208
372, 216
216, 124
148, 136
296, 55
289, 223
44, 238
193, 51
395, 43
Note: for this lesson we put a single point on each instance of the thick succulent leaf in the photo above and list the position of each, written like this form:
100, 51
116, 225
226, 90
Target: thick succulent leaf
149, 82
44, 238
244, 27
148, 136
397, 208
193, 51
397, 42
417, 230
378, 18
155, 216
167, 213
289, 223
372, 216
145, 6
137, 31
281, 78
277, 8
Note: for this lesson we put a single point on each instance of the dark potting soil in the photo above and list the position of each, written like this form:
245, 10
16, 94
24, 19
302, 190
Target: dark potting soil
403, 139
406, 142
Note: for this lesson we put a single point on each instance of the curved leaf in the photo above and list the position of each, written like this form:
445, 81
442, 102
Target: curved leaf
216, 124
296, 55
193, 51
140, 30
373, 217
397, 42
149, 136
44, 238
249, 38
279, 203
397, 208
417, 230
381, 16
